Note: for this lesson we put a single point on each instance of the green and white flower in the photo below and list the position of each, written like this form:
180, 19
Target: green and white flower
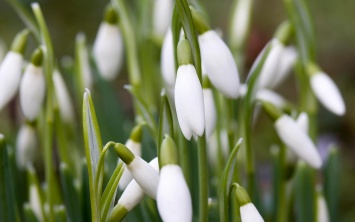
64, 103
26, 146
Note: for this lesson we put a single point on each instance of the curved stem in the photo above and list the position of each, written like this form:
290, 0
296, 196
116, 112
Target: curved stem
203, 178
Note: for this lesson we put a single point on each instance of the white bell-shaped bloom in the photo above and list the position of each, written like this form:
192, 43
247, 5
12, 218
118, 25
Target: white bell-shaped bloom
210, 111
297, 140
26, 146
173, 197
10, 76
287, 60
133, 194
136, 149
219, 63
249, 213
167, 64
271, 64
108, 50
63, 97
145, 175
32, 91
270, 96
240, 22
162, 12
303, 121
189, 102
328, 93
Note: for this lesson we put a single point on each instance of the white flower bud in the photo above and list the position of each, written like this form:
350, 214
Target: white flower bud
133, 194
173, 197
210, 111
26, 146
163, 10
167, 64
126, 177
32, 91
189, 102
10, 76
219, 63
322, 209
270, 67
287, 59
270, 96
108, 50
303, 121
145, 175
35, 202
298, 140
249, 213
328, 93
63, 97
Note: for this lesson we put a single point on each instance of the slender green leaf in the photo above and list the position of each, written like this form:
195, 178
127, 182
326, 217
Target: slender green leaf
93, 146
166, 125
331, 174
305, 198
175, 28
143, 108
225, 183
7, 193
85, 192
107, 199
70, 193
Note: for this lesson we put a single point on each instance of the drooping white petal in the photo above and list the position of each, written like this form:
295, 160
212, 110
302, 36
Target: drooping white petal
163, 10
167, 64
249, 213
173, 197
26, 146
145, 175
133, 194
108, 50
210, 111
322, 209
328, 93
189, 102
297, 140
270, 96
219, 63
303, 122
63, 97
10, 76
271, 64
126, 177
32, 91
287, 59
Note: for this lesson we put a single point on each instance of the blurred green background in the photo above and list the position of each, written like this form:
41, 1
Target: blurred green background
335, 35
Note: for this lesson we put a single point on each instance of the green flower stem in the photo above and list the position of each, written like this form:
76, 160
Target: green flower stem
203, 179
99, 166
62, 140
130, 42
184, 158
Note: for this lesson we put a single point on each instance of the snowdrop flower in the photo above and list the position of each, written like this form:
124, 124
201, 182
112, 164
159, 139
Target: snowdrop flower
287, 60
131, 197
162, 12
219, 63
297, 140
210, 108
173, 197
269, 69
63, 97
33, 86
188, 94
10, 69
240, 22
134, 145
26, 145
167, 64
303, 121
108, 46
327, 93
294, 136
35, 199
248, 211
143, 173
